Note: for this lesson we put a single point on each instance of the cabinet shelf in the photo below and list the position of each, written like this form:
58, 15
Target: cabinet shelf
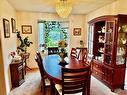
100, 42
101, 33
121, 45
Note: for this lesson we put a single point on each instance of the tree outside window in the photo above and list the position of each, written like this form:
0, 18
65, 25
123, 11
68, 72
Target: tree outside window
51, 32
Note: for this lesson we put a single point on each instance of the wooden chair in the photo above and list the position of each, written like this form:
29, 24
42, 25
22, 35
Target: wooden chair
74, 81
24, 57
44, 81
52, 50
84, 54
73, 52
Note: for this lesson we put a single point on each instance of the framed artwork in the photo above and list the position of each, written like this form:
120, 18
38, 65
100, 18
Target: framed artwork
13, 24
26, 29
6, 26
77, 32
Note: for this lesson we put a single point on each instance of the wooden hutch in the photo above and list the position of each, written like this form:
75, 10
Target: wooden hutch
107, 42
17, 70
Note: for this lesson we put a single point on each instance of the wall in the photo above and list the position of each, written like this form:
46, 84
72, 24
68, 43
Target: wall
7, 45
31, 18
118, 7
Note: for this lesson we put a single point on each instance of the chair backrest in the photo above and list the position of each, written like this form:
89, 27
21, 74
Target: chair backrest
84, 54
52, 50
73, 52
39, 55
40, 65
75, 80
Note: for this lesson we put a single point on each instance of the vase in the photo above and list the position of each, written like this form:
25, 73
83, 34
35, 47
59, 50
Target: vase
63, 62
62, 59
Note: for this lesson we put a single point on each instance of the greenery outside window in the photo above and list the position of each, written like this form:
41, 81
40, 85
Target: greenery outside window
51, 32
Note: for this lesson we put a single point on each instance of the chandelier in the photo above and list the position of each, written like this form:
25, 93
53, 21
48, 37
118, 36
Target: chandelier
63, 8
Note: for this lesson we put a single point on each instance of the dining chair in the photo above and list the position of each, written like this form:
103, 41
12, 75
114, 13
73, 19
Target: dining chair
74, 81
73, 52
84, 54
52, 50
44, 81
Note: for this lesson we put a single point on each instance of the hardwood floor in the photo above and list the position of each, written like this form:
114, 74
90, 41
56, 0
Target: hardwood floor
31, 86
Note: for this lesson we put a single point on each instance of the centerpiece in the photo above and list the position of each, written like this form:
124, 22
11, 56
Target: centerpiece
62, 51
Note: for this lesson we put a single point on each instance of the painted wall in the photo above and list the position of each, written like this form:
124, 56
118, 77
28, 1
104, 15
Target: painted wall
31, 18
118, 7
7, 45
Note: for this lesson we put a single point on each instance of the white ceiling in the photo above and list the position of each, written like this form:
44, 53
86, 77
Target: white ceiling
79, 6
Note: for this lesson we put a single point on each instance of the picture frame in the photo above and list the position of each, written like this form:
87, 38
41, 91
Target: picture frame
77, 32
26, 29
13, 24
6, 26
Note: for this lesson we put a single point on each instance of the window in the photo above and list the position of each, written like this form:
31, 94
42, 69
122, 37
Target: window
51, 32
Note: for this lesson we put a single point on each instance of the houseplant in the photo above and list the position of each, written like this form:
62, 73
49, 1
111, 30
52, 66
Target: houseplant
24, 43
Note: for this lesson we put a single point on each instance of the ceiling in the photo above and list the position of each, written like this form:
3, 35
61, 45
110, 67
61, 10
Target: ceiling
79, 6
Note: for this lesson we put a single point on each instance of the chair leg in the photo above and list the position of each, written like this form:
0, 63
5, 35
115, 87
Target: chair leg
41, 87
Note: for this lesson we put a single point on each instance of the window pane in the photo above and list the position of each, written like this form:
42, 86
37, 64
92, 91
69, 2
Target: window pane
51, 32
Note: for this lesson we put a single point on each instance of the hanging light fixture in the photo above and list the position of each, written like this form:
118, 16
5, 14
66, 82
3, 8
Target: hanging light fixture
63, 8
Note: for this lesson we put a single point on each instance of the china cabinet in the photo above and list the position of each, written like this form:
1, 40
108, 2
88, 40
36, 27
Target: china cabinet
107, 42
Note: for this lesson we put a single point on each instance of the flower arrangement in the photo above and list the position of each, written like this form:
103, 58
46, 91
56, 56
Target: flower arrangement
62, 49
15, 56
12, 54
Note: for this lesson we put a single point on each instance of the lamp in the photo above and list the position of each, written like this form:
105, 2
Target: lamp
63, 8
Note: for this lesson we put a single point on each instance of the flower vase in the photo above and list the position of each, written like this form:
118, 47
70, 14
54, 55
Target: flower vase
62, 62
62, 59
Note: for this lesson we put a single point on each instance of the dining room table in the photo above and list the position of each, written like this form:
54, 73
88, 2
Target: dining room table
53, 69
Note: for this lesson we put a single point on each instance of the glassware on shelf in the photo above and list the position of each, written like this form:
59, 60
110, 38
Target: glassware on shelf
120, 51
120, 60
124, 28
100, 58
109, 30
122, 38
124, 41
99, 31
103, 29
101, 39
101, 50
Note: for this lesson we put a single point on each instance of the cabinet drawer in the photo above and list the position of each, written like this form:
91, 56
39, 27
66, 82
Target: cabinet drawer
97, 66
97, 73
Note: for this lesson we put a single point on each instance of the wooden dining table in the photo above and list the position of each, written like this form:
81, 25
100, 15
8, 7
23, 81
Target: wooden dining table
53, 69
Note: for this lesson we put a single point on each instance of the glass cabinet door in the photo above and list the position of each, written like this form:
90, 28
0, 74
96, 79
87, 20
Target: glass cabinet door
121, 45
90, 39
108, 42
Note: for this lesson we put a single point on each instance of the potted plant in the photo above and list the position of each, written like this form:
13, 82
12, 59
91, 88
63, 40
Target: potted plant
24, 43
